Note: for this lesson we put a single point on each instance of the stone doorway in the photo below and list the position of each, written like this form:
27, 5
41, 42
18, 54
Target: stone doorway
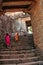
36, 10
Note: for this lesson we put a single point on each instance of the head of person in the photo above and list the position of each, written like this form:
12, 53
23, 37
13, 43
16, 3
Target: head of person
7, 34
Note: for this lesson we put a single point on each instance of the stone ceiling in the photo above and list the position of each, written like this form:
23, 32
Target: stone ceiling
15, 5
10, 5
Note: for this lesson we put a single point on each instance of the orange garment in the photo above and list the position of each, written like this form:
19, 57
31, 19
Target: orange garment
16, 36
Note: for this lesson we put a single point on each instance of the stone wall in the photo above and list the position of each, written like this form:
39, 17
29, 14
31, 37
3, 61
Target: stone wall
37, 23
20, 25
5, 25
9, 25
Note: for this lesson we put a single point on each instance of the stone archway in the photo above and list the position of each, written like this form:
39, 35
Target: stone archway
37, 21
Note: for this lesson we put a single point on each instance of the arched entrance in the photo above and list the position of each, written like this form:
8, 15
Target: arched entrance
13, 22
36, 10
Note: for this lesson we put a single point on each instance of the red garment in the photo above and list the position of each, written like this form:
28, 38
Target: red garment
7, 40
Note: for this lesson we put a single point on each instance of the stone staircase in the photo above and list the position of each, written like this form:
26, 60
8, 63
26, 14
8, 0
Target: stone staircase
20, 53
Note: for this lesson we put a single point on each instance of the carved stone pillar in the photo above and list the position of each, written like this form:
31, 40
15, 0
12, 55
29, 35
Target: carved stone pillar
37, 23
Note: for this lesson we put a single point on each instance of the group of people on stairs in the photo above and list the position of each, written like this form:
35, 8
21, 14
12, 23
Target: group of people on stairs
8, 41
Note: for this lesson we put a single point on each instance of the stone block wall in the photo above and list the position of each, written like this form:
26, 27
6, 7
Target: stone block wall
5, 25
9, 25
37, 23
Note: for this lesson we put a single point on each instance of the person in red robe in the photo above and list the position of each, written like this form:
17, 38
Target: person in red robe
7, 40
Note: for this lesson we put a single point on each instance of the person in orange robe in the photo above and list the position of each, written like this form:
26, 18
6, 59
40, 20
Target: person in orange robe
16, 36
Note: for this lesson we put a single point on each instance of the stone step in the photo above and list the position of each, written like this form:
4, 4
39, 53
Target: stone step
17, 48
28, 63
19, 60
20, 44
16, 45
16, 55
20, 53
10, 49
17, 51
14, 48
